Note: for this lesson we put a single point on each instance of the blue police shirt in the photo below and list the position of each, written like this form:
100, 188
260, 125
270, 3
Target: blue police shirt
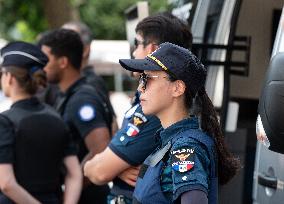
136, 139
182, 163
188, 165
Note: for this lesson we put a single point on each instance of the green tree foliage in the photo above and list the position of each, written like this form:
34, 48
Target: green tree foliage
106, 17
21, 19
25, 19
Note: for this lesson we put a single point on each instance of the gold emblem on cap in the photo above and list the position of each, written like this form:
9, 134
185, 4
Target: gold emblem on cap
158, 62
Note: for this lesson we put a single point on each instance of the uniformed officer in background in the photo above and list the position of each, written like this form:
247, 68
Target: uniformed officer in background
88, 70
134, 141
79, 105
50, 93
34, 141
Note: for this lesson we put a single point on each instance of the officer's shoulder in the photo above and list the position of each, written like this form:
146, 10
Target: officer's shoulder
190, 134
189, 137
51, 111
86, 89
4, 117
83, 94
4, 114
12, 111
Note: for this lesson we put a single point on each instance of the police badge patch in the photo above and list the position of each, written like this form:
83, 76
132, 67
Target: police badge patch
87, 113
182, 160
138, 119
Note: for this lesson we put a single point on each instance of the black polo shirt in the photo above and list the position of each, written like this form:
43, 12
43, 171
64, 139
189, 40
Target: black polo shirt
35, 140
83, 111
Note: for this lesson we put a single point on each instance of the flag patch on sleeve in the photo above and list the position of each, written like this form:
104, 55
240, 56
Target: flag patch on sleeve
132, 130
182, 159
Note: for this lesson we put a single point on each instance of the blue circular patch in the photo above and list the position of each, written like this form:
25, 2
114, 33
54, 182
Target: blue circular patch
87, 113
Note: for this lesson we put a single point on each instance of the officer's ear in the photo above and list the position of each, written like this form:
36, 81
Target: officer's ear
10, 80
87, 50
153, 46
63, 62
9, 77
178, 88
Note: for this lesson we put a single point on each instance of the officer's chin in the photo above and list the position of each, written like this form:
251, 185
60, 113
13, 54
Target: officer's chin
145, 110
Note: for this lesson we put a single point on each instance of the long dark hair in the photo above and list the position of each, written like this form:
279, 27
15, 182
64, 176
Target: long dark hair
201, 105
228, 165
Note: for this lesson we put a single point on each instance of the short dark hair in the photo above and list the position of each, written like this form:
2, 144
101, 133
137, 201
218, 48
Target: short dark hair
65, 42
165, 27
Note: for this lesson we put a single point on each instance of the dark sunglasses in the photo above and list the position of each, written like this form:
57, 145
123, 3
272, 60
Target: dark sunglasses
143, 79
139, 42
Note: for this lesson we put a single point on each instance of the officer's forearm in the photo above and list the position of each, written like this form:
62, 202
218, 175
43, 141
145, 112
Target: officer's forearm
194, 197
73, 180
92, 171
10, 187
18, 194
88, 156
86, 180
130, 175
105, 166
96, 141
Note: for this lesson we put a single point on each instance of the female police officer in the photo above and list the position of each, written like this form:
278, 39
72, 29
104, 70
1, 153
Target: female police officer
182, 169
34, 142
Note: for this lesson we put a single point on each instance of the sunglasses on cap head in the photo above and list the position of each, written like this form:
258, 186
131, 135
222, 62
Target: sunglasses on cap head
139, 42
142, 42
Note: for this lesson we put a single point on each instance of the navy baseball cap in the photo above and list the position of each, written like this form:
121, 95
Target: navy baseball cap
178, 62
24, 55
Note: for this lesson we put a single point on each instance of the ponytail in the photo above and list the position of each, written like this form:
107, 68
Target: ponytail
39, 79
201, 105
30, 80
228, 165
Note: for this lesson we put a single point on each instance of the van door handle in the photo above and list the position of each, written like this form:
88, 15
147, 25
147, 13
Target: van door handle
270, 182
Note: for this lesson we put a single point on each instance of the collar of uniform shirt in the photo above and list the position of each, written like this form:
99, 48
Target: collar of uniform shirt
167, 134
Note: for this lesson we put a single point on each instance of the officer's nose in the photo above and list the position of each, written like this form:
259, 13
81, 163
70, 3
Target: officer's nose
141, 87
134, 53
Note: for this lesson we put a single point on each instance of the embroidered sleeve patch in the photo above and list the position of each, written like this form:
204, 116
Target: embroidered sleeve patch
182, 159
87, 113
131, 111
138, 119
132, 130
133, 127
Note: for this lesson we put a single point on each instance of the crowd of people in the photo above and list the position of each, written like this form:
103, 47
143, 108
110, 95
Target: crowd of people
60, 143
